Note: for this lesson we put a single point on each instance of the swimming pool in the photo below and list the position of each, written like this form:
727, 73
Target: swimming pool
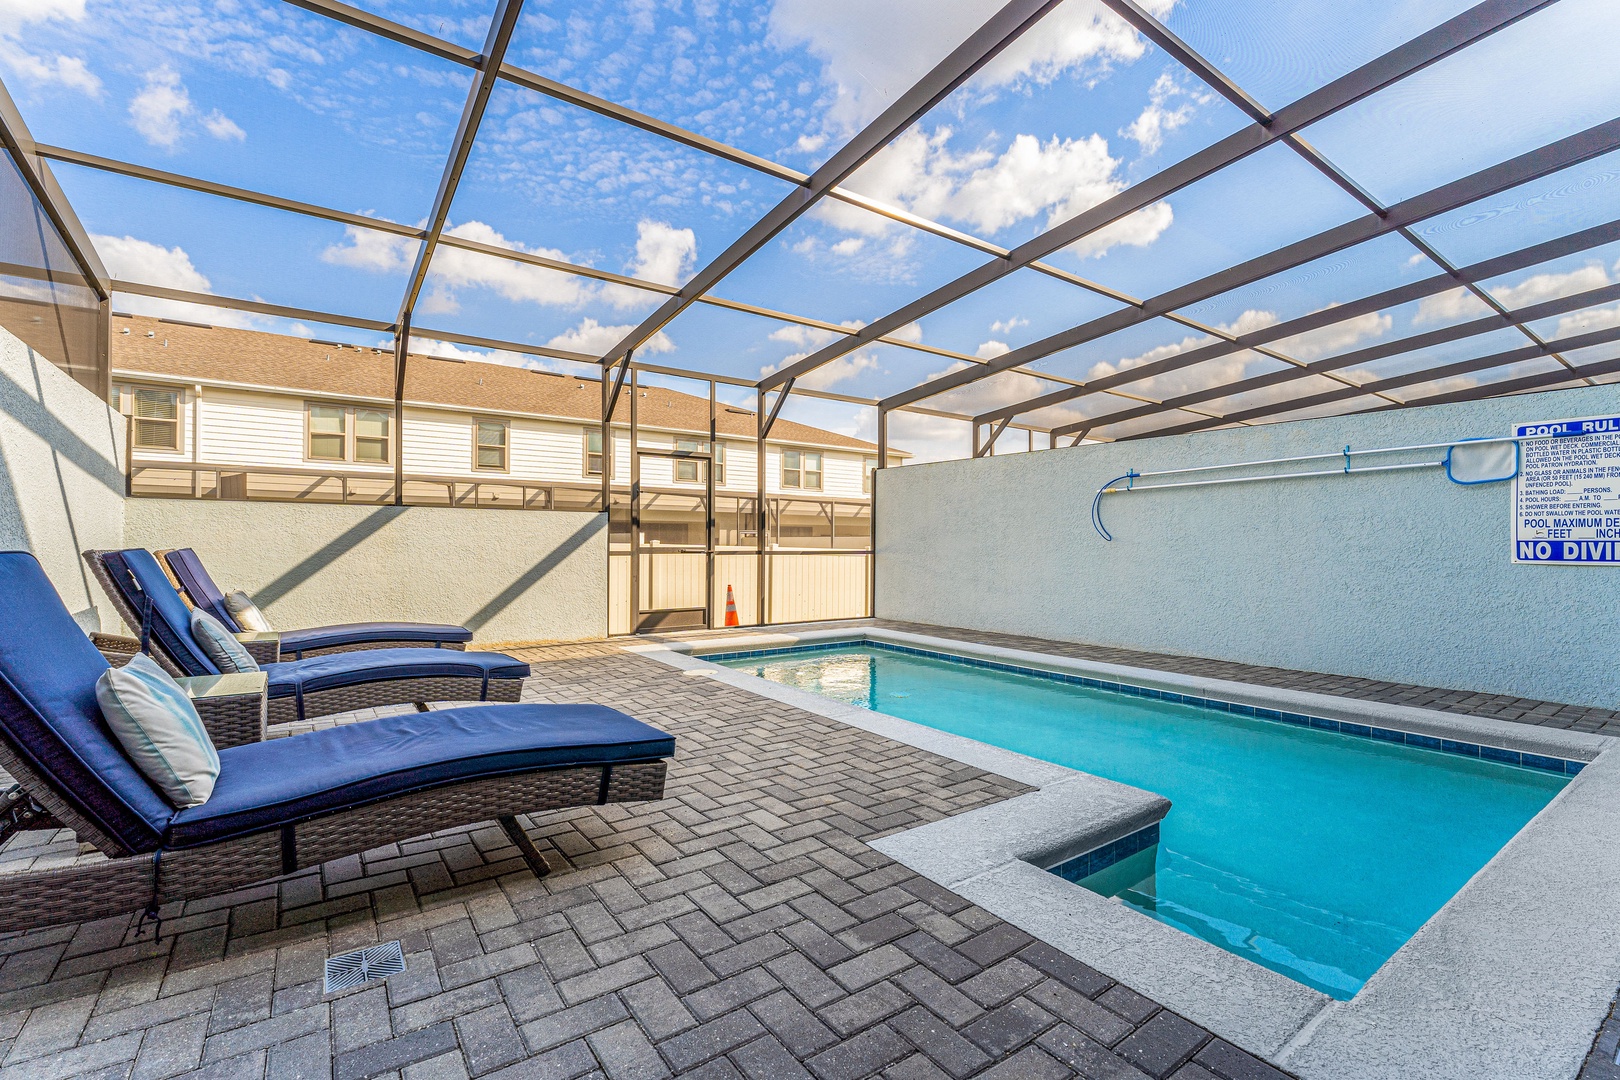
1312, 852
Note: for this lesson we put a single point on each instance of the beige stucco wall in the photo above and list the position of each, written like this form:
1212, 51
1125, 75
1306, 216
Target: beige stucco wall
1398, 576
61, 481
509, 575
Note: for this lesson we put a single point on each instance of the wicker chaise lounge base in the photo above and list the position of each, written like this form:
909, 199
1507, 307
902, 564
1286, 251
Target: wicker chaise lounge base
381, 688
120, 885
277, 805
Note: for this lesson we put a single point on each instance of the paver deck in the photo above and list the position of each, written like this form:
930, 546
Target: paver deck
742, 927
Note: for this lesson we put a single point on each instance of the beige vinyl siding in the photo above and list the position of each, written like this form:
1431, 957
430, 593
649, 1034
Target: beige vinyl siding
549, 450
246, 428
438, 443
841, 475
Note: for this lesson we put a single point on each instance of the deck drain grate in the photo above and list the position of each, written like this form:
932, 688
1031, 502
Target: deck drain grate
363, 965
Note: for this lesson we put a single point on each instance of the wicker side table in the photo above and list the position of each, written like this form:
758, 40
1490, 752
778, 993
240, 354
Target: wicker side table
232, 707
263, 646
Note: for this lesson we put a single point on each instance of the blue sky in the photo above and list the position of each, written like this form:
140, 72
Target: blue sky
265, 95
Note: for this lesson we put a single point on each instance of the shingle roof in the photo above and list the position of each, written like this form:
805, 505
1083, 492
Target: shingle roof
223, 354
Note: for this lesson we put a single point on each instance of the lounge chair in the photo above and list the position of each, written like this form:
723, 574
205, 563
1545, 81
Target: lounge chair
277, 806
194, 580
303, 689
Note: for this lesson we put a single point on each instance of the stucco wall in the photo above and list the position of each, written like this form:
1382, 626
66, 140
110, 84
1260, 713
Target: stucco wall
509, 575
61, 478
1398, 576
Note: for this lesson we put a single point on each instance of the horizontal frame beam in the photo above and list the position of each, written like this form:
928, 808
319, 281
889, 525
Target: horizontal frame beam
1368, 354
1583, 240
1456, 33
1553, 157
1002, 29
1604, 336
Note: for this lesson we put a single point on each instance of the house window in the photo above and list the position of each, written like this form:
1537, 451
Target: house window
688, 471
157, 418
328, 433
593, 451
801, 469
371, 435
341, 433
490, 446
868, 468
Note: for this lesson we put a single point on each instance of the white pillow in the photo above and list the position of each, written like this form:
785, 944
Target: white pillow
246, 612
220, 644
159, 729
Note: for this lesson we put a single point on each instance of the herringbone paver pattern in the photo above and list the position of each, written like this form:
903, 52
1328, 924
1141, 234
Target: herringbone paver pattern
740, 928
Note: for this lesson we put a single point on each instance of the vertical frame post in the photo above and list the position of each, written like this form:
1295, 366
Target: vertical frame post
762, 607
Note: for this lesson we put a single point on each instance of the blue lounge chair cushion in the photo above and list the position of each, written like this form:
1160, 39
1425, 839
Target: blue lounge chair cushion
200, 586
171, 619
373, 665
49, 715
325, 637
268, 784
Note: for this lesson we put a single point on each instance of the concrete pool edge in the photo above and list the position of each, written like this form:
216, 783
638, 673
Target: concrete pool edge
1510, 978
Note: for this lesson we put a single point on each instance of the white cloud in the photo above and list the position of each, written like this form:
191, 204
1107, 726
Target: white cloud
130, 259
1158, 118
369, 249
1224, 369
1007, 326
594, 339
808, 339
872, 53
1585, 322
664, 253
991, 349
1058, 178
161, 110
158, 109
1335, 337
69, 71
221, 126
1462, 304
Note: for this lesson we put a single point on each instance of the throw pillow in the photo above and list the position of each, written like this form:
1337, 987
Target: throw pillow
220, 645
246, 612
159, 729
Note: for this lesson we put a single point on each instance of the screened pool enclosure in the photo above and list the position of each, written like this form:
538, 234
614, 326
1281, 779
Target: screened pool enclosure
942, 230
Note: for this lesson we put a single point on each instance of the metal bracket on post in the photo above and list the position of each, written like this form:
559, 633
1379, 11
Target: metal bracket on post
988, 446
770, 421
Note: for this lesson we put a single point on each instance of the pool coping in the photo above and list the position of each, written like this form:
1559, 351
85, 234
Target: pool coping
1491, 973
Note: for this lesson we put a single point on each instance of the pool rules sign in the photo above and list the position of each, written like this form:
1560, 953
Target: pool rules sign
1566, 497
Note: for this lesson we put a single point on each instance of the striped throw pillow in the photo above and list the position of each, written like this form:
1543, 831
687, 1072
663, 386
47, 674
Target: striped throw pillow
158, 727
220, 644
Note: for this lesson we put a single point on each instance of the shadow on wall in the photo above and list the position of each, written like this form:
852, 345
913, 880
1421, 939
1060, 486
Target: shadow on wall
56, 507
19, 407
358, 535
507, 596
329, 553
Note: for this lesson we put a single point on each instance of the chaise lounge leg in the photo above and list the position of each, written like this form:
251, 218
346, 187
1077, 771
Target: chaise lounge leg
525, 846
421, 706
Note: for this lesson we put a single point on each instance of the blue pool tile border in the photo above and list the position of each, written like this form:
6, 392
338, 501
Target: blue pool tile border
1099, 859
1501, 755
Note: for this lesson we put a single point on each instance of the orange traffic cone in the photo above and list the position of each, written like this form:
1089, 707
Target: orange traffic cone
731, 608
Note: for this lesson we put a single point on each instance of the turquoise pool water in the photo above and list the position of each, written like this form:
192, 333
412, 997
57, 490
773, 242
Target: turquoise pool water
1313, 853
